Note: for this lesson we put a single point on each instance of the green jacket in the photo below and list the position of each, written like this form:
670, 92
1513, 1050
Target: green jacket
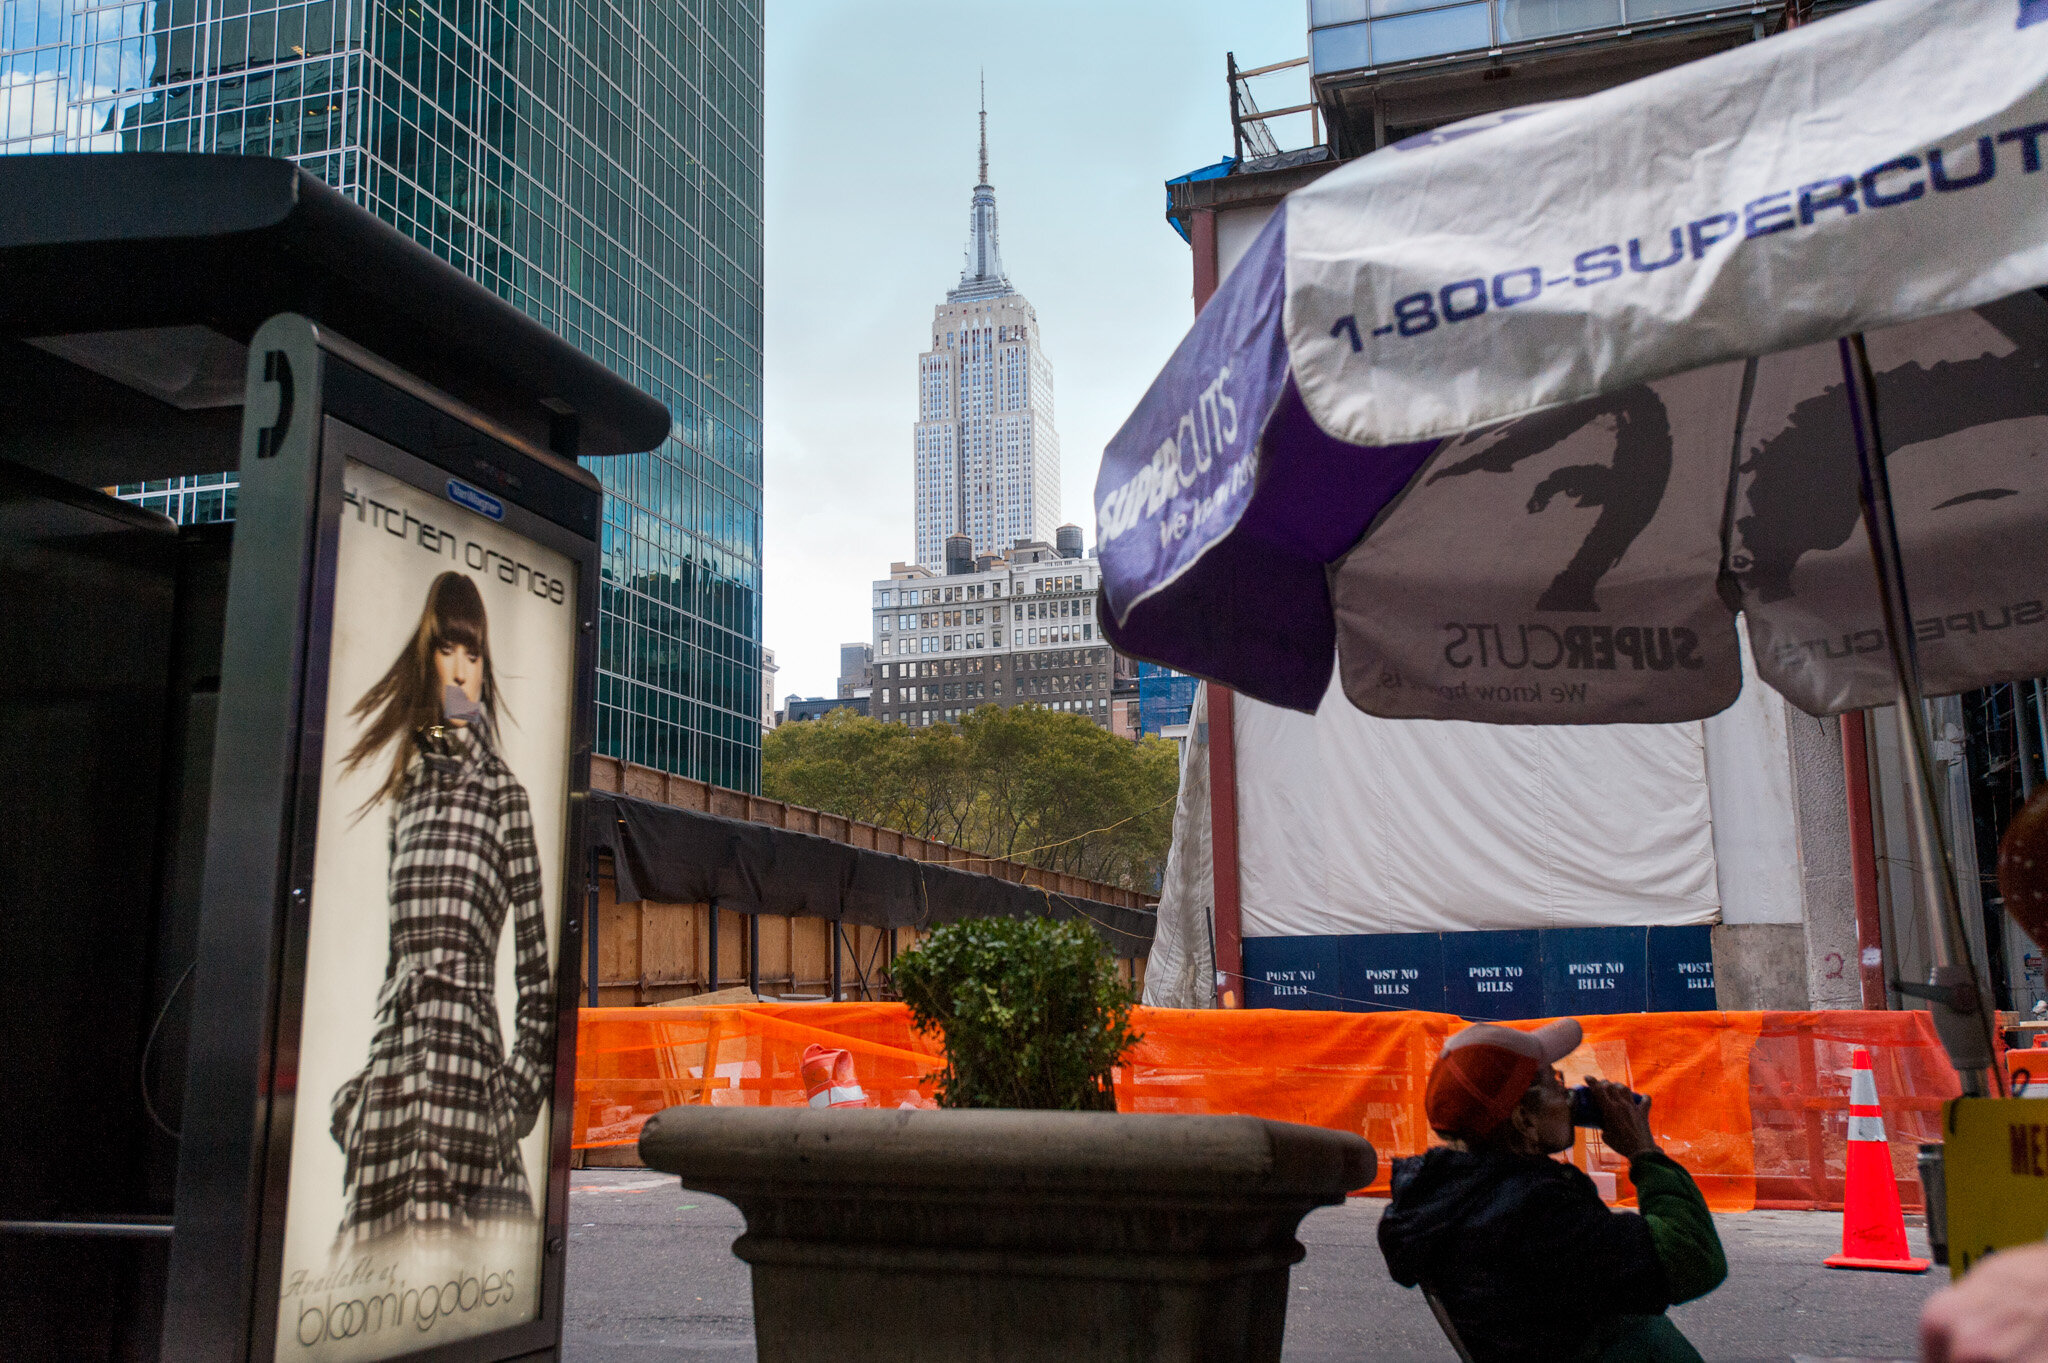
1689, 1250
1532, 1266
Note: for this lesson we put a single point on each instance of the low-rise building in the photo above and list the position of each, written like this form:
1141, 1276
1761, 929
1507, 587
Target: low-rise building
817, 707
1016, 629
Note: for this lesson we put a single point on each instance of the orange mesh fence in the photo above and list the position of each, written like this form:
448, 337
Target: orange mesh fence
1366, 1072
1754, 1104
1799, 1095
633, 1062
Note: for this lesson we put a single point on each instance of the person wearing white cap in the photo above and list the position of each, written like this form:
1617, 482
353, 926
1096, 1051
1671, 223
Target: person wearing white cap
1525, 1258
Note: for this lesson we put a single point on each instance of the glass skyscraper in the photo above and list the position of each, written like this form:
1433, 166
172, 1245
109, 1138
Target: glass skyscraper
595, 162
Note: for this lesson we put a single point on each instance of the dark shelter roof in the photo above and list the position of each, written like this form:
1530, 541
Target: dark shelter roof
119, 241
685, 856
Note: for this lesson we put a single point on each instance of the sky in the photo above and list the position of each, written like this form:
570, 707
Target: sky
870, 149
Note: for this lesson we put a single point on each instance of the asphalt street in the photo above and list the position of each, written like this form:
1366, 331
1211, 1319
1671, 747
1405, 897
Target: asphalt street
652, 1280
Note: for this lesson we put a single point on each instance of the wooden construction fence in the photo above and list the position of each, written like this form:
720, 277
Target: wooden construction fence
653, 953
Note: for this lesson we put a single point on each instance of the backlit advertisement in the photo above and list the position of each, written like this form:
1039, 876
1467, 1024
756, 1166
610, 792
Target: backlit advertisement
419, 1155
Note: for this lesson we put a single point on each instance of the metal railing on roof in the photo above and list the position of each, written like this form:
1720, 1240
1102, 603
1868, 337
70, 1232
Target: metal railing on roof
1250, 136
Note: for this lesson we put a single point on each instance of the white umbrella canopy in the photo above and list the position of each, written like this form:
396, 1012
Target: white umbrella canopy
1583, 564
1513, 418
1480, 413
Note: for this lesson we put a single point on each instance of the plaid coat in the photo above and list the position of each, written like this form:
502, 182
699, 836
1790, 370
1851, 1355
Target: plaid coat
430, 1126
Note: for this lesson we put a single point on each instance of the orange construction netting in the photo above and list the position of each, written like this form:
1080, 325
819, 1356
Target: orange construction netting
1754, 1104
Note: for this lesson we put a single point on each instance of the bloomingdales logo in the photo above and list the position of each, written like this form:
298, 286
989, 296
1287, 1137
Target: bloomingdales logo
362, 1299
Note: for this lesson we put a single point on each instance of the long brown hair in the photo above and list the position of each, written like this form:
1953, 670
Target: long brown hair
408, 698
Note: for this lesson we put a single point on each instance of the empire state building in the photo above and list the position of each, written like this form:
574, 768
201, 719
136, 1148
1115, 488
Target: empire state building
988, 458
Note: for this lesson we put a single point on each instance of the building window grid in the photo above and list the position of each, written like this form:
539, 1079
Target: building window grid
710, 729
1345, 34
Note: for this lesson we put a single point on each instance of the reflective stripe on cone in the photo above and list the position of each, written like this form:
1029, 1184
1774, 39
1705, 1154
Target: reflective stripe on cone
1873, 1226
829, 1078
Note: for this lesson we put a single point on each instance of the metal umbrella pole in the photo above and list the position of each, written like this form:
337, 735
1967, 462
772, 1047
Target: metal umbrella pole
1961, 1005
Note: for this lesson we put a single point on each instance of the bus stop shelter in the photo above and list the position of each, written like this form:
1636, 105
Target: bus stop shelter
292, 884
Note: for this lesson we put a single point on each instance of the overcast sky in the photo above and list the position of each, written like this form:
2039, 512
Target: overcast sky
870, 165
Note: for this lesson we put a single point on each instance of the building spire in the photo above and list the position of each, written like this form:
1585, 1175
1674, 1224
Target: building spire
983, 277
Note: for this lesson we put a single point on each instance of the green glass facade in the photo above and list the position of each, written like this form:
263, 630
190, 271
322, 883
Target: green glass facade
598, 164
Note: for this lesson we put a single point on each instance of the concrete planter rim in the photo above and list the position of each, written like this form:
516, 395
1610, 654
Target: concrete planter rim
1091, 1153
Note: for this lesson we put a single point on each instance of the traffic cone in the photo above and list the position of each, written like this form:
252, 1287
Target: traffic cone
830, 1080
1873, 1228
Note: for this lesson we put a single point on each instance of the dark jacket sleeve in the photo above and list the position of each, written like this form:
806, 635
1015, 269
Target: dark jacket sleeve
1681, 1227
1591, 1261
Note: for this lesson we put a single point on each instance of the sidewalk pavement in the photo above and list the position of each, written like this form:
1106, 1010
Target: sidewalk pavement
652, 1280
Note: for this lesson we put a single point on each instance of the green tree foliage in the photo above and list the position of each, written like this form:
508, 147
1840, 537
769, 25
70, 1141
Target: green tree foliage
1032, 1012
1026, 784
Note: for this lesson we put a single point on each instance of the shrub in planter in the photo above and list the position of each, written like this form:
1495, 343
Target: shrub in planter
1031, 1012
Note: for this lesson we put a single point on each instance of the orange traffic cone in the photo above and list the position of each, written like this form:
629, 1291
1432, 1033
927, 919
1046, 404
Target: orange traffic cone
830, 1080
1873, 1229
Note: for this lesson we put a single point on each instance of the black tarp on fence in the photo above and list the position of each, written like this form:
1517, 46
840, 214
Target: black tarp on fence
685, 856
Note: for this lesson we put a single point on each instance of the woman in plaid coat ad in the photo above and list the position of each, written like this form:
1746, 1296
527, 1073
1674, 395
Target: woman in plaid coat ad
430, 1126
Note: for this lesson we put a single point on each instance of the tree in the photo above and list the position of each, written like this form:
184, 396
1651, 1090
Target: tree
843, 763
1025, 784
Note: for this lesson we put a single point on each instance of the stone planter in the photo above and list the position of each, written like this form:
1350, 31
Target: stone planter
930, 1237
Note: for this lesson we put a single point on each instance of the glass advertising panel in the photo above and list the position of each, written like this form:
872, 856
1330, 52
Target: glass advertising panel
419, 1159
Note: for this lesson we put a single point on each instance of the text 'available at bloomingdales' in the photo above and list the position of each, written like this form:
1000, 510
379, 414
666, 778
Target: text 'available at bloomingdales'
1834, 199
367, 1299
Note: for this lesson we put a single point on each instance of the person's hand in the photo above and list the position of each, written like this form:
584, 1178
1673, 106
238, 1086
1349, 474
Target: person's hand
1998, 1313
1624, 1122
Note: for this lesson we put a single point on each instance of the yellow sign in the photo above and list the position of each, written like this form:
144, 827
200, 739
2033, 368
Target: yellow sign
1996, 1168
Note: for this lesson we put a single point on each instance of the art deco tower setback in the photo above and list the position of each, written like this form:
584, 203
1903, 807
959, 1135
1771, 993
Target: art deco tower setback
988, 458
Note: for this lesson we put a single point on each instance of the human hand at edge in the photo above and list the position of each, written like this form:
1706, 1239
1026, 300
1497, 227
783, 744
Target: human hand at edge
1624, 1122
1998, 1313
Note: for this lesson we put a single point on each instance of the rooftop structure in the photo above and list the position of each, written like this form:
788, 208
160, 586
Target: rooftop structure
801, 708
856, 668
1382, 72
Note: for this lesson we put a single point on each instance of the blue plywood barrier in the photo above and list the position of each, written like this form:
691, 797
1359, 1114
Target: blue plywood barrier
1498, 976
1493, 975
1682, 970
1394, 970
1595, 970
1292, 972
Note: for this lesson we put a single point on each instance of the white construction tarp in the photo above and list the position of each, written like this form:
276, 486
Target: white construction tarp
1181, 969
1879, 166
1352, 824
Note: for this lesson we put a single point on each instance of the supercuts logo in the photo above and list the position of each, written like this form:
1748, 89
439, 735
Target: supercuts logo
1927, 629
1202, 433
1592, 648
